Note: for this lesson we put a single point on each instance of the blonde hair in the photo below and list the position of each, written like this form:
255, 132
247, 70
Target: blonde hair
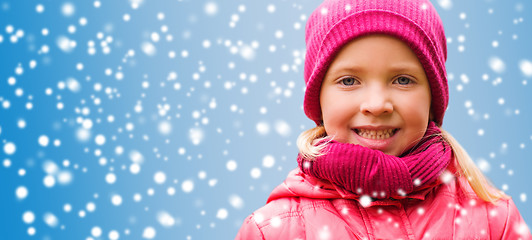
312, 141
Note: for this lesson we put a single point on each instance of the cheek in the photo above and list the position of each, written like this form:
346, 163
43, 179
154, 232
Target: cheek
419, 107
328, 106
415, 110
417, 117
338, 111
336, 114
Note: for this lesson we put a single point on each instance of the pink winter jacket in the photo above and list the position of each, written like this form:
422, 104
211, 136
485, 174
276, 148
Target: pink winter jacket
304, 207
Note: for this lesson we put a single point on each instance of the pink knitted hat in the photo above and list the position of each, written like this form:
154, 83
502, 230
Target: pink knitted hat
336, 22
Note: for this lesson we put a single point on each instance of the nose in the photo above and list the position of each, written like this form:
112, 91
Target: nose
376, 102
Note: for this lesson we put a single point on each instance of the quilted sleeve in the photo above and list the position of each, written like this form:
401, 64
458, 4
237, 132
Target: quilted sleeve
249, 230
514, 227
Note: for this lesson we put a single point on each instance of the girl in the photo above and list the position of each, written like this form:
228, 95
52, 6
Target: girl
378, 165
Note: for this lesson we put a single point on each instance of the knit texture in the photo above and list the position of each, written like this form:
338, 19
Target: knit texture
365, 171
336, 22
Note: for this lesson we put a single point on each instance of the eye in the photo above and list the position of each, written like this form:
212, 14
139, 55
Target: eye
403, 81
348, 81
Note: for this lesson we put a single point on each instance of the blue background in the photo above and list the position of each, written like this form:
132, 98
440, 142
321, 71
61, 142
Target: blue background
241, 94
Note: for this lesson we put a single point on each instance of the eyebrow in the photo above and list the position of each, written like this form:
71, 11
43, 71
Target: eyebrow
400, 67
406, 67
339, 69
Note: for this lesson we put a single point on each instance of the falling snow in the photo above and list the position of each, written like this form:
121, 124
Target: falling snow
497, 65
21, 192
365, 200
149, 233
526, 67
28, 217
186, 114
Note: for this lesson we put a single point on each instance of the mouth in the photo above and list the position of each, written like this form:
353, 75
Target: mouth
376, 134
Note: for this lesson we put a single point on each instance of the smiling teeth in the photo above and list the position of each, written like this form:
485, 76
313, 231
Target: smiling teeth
375, 134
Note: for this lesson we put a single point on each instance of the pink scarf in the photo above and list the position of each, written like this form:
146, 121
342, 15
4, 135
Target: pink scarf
365, 171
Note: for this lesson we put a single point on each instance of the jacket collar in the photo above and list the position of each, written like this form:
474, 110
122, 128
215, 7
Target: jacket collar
299, 184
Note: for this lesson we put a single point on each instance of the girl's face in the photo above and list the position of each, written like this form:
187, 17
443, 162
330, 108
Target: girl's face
376, 94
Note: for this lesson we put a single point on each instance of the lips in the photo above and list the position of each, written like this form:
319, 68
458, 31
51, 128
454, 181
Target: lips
376, 134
